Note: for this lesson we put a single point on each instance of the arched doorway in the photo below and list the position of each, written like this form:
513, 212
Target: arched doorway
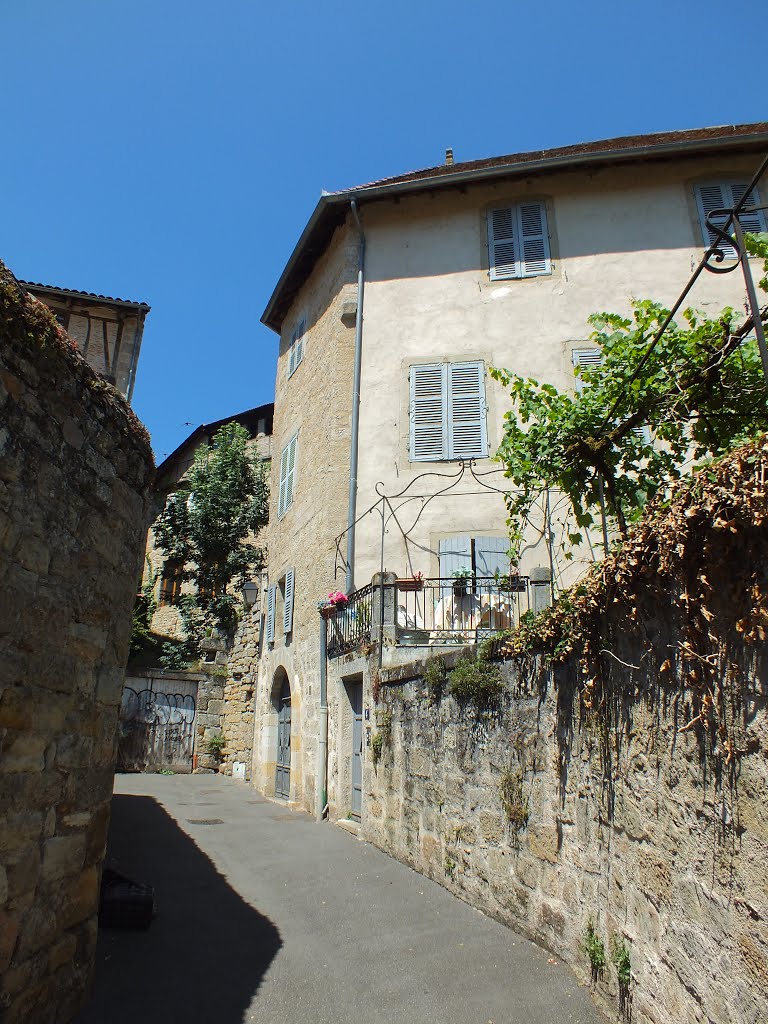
282, 691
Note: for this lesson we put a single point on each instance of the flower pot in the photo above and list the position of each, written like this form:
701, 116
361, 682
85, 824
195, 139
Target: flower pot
410, 583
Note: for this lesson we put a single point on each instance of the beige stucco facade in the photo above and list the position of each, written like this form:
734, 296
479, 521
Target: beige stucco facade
615, 232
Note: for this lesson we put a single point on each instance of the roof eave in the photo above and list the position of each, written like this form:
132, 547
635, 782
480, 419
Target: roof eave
67, 293
373, 192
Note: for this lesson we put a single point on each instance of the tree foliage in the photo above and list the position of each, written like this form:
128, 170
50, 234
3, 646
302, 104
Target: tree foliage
209, 527
701, 391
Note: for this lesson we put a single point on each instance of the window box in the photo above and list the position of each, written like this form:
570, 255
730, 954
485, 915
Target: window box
410, 583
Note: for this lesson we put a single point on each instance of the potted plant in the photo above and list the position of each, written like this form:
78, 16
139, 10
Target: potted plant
410, 583
462, 581
335, 600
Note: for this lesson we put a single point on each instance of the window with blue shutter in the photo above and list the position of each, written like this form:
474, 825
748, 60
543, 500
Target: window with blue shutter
287, 475
447, 412
518, 241
483, 557
723, 195
589, 359
288, 602
271, 601
296, 353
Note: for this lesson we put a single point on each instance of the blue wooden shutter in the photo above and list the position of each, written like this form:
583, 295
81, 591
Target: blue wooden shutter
492, 556
722, 195
291, 474
454, 553
588, 358
428, 412
533, 240
271, 593
287, 474
283, 468
466, 411
297, 346
288, 602
503, 257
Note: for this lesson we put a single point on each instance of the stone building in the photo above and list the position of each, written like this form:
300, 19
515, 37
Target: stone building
404, 292
75, 483
187, 706
108, 331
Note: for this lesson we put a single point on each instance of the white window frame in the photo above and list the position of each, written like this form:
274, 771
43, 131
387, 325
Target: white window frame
515, 249
731, 190
445, 410
296, 349
287, 476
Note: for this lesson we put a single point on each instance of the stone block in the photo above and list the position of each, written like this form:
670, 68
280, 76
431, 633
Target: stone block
81, 899
62, 952
23, 752
37, 930
22, 870
9, 930
492, 827
543, 843
63, 855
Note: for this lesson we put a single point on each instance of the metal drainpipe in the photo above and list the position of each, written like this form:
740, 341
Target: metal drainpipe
352, 504
321, 793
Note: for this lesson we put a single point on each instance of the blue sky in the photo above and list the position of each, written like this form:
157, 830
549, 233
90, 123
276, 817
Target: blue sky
171, 152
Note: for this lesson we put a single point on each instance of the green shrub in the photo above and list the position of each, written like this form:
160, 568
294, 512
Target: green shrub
513, 799
434, 679
475, 680
594, 948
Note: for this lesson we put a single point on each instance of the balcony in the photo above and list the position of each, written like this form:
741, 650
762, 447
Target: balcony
432, 612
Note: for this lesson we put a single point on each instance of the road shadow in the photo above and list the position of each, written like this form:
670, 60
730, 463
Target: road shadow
205, 953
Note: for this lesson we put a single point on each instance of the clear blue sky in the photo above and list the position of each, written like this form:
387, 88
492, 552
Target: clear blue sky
171, 152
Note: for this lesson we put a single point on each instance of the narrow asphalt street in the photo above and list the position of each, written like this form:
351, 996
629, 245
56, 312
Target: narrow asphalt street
264, 915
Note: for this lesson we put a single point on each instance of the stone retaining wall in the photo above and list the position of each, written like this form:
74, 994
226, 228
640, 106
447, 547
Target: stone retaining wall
632, 828
75, 468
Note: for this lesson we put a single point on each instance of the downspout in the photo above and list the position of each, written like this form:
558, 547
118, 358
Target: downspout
321, 793
352, 504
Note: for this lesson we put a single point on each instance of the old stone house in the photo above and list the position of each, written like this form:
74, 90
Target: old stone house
399, 296
168, 713
107, 331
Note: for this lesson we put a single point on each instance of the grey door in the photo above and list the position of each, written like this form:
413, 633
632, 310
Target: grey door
356, 699
283, 769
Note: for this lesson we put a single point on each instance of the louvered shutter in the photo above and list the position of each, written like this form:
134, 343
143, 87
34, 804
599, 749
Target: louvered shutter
428, 412
271, 593
281, 506
291, 471
466, 411
455, 553
534, 241
297, 347
502, 244
492, 556
288, 603
750, 220
287, 474
724, 195
588, 358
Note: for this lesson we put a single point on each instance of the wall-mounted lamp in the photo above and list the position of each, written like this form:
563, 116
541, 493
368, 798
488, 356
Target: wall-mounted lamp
250, 594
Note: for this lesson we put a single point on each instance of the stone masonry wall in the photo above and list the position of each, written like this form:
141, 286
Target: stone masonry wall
632, 828
75, 469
